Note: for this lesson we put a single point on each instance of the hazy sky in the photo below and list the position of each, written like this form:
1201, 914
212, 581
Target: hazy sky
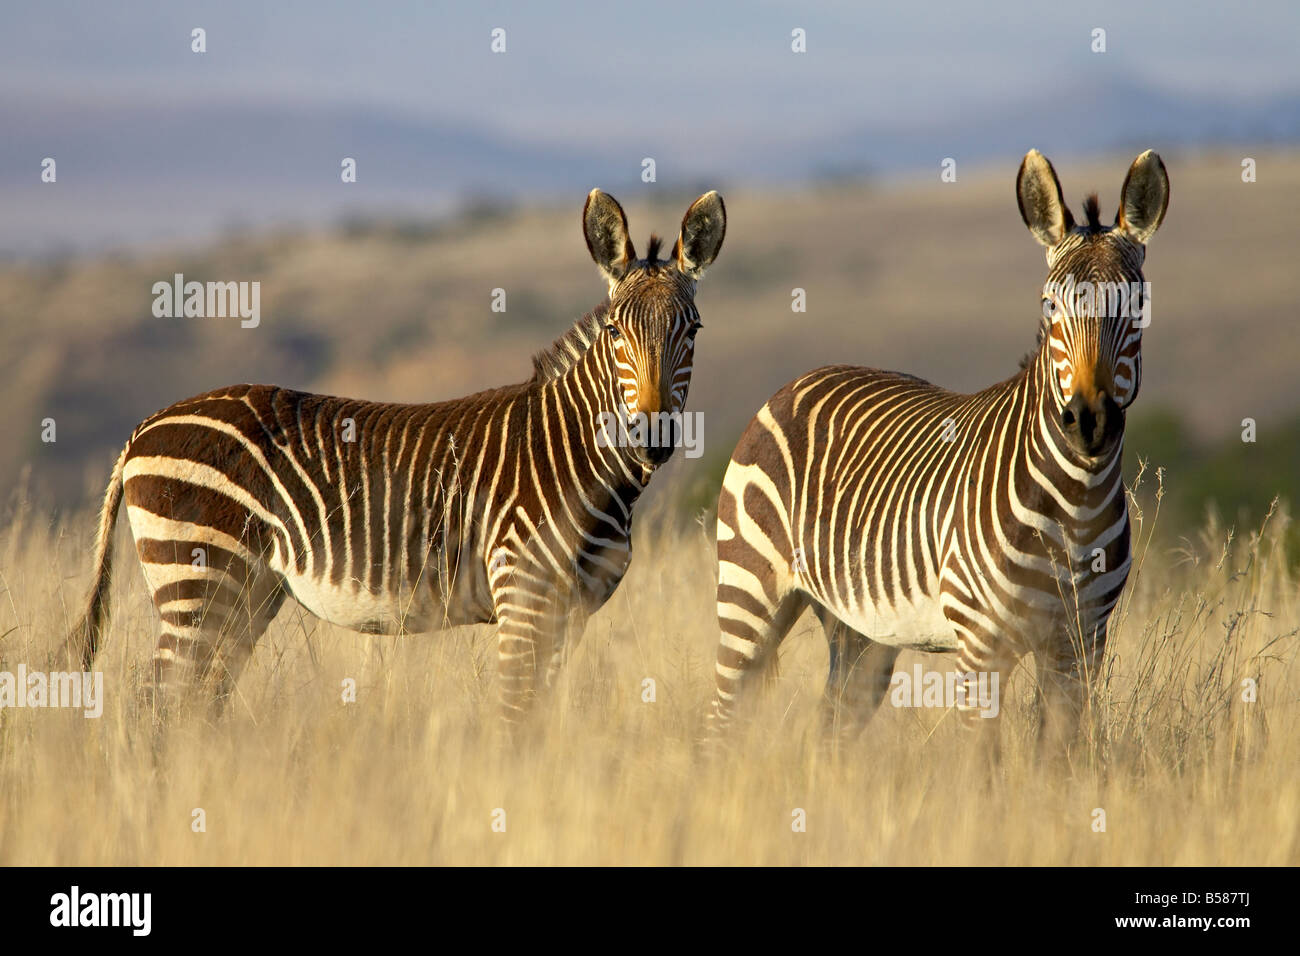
154, 140
659, 68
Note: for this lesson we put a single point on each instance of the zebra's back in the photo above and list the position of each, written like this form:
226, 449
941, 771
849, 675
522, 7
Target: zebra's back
360, 506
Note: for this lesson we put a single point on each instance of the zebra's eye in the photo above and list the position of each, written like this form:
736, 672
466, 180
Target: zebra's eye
613, 330
1049, 307
693, 330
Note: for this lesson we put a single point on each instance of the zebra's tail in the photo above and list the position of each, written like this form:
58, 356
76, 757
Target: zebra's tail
771, 669
83, 641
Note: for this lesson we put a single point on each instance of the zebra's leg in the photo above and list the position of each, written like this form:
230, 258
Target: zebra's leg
860, 671
568, 632
1066, 673
758, 595
749, 641
531, 611
983, 667
527, 642
213, 609
258, 604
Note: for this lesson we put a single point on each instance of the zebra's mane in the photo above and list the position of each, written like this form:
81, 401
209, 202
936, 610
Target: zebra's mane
1028, 358
565, 352
1092, 211
652, 252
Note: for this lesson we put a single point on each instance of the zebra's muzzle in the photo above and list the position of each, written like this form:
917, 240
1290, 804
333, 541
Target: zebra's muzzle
1092, 427
653, 437
655, 454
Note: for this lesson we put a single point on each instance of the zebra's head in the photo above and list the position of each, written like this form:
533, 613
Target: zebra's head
651, 321
1094, 297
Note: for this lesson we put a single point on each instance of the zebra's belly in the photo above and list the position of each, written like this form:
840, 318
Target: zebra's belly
359, 609
917, 624
354, 608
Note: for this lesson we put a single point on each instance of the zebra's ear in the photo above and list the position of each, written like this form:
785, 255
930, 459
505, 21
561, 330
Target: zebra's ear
605, 226
1038, 192
703, 228
1144, 198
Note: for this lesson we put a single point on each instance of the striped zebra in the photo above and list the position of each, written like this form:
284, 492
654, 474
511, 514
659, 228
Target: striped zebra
509, 506
989, 525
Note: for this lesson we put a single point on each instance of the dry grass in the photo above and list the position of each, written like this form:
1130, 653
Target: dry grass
412, 772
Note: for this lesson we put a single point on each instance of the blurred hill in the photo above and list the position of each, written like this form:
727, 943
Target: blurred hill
128, 169
939, 279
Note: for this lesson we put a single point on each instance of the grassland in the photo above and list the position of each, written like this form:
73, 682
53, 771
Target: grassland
937, 279
413, 771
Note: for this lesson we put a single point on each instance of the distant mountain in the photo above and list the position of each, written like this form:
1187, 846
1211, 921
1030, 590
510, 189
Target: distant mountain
133, 174
1092, 117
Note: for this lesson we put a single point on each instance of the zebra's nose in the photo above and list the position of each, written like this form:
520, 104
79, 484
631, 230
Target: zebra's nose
661, 440
658, 454
1092, 426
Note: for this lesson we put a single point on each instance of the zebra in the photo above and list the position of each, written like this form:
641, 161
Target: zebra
511, 505
908, 516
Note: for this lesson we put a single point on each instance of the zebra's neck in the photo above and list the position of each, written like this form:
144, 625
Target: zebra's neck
588, 388
1049, 435
1068, 498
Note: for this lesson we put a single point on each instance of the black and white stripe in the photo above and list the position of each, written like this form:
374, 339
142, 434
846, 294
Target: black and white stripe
502, 506
988, 525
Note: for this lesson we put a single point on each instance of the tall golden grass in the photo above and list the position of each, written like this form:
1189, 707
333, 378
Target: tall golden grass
413, 772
